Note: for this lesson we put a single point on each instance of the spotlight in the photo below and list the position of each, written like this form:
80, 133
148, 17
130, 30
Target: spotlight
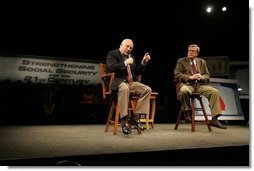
224, 9
209, 9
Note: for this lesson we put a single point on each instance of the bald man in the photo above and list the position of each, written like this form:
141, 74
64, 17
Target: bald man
119, 61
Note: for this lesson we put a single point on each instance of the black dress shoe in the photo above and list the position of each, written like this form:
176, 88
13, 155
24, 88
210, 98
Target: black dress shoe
126, 128
137, 124
216, 123
187, 117
125, 125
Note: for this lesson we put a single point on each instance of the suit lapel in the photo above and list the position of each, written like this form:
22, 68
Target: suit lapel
198, 64
188, 65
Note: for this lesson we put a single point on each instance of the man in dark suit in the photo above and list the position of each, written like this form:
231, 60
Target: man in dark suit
122, 63
193, 75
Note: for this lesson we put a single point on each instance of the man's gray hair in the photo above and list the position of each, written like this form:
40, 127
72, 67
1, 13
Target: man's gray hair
196, 46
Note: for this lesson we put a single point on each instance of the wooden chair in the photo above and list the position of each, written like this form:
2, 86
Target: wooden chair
193, 97
114, 114
149, 118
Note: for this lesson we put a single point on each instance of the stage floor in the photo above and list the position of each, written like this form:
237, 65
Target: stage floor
47, 141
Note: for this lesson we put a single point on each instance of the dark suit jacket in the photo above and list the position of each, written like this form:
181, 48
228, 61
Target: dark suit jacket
183, 70
115, 63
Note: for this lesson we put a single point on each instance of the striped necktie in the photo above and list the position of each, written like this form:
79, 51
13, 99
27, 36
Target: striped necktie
193, 66
130, 78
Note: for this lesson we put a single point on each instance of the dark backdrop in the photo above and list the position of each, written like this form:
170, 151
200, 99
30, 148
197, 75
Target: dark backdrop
75, 29
78, 29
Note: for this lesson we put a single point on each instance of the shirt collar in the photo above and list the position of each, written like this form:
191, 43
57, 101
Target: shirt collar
194, 61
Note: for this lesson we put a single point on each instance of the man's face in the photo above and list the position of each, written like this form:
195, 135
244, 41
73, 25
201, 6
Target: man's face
192, 53
126, 47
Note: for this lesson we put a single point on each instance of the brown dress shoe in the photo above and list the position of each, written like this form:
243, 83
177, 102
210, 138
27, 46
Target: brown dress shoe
216, 123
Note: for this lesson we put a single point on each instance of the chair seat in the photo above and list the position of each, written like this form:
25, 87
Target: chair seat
195, 95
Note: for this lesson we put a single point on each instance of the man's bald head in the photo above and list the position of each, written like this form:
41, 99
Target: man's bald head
126, 46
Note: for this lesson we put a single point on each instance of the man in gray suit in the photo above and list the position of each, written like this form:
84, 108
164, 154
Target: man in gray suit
119, 61
194, 76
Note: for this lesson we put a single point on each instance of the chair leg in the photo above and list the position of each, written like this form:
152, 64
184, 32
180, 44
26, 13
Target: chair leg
114, 108
133, 103
193, 115
110, 116
147, 121
153, 109
178, 118
116, 119
139, 131
205, 114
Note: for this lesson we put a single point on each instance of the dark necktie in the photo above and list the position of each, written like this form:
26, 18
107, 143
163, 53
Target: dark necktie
130, 78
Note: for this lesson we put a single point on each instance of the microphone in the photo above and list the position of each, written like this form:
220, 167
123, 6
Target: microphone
129, 56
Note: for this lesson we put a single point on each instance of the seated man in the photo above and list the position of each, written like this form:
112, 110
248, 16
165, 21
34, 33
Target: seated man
122, 63
193, 74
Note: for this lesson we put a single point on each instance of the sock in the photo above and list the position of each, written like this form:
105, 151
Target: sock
125, 119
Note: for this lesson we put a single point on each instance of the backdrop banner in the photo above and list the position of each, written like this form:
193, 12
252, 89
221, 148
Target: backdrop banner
38, 70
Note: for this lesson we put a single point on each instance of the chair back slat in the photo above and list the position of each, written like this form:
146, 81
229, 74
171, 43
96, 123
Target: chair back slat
106, 80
